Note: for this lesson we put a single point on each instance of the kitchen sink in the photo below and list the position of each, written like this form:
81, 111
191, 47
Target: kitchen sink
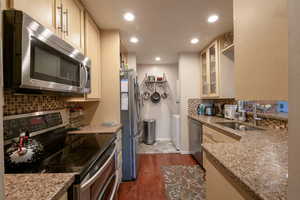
239, 126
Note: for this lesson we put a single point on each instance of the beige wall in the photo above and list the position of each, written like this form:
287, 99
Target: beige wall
164, 110
2, 5
131, 59
108, 109
189, 81
294, 100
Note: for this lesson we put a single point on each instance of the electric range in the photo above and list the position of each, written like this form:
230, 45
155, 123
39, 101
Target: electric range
90, 156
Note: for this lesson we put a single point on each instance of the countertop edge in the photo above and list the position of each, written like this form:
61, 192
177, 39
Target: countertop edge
46, 186
64, 189
215, 126
230, 173
114, 129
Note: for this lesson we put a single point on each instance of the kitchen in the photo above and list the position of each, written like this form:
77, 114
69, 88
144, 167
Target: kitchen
114, 100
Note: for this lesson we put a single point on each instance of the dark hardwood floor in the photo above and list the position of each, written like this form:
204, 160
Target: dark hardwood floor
150, 183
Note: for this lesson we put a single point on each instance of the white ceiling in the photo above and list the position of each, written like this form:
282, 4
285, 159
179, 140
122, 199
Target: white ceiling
164, 27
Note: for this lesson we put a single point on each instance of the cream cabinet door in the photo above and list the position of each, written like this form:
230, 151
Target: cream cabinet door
73, 23
210, 71
221, 186
261, 56
92, 50
205, 84
40, 10
213, 69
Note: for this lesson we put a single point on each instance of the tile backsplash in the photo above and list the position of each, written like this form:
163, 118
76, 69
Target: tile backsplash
24, 103
270, 118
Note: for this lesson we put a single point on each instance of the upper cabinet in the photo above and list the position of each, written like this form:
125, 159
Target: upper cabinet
210, 66
261, 49
217, 72
41, 10
63, 17
73, 22
92, 50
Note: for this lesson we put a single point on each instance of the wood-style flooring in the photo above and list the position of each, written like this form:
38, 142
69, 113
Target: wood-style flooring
150, 183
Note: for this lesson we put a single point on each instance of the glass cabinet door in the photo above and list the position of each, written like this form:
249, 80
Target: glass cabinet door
204, 74
213, 69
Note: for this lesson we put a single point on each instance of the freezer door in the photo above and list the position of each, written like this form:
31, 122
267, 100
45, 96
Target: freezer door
135, 154
129, 119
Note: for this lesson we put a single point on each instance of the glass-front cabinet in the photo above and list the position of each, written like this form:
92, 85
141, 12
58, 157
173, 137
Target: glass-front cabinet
204, 74
210, 67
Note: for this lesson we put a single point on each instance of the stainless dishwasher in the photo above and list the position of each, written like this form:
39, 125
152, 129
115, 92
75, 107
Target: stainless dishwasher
195, 140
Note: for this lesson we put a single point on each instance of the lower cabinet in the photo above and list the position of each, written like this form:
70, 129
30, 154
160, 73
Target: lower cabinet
64, 196
219, 185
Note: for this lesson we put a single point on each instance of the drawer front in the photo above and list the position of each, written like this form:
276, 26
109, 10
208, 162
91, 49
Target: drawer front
207, 139
216, 136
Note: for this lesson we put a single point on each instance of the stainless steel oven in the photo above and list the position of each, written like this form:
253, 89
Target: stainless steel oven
36, 59
101, 182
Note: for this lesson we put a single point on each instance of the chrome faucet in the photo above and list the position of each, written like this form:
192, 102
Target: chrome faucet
255, 118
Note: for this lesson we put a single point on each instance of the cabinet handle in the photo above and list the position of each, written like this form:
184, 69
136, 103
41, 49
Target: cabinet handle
66, 13
60, 8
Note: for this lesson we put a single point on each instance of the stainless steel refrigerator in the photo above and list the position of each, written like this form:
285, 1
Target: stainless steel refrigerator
131, 121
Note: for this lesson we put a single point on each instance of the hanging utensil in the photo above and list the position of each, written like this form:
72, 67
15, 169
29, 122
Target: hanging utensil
164, 95
155, 97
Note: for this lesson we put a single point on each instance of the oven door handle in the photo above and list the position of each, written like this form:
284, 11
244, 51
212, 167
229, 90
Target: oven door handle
97, 174
114, 190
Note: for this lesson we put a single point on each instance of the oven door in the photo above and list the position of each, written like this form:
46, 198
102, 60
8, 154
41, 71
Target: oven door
109, 191
100, 182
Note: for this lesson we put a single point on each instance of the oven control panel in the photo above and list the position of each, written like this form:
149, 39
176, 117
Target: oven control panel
30, 123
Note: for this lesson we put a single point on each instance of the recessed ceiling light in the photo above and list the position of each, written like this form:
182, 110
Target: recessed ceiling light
213, 18
157, 58
194, 41
134, 40
129, 16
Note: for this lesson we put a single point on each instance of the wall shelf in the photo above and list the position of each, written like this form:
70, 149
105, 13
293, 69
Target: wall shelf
155, 81
229, 49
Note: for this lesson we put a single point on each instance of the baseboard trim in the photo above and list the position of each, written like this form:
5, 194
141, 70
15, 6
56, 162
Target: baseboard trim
185, 152
164, 139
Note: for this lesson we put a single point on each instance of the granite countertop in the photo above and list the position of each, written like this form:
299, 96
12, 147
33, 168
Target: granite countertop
278, 116
259, 162
97, 129
37, 186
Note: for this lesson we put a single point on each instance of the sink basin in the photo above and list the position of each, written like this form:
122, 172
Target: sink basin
239, 126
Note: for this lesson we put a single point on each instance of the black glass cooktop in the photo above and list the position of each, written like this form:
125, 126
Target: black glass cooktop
73, 153
80, 155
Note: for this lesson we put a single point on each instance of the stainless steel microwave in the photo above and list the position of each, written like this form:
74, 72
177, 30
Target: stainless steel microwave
36, 59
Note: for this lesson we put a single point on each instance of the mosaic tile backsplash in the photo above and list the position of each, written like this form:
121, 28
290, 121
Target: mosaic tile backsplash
267, 121
23, 103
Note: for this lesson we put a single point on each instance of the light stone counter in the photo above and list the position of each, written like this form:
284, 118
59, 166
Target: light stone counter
259, 162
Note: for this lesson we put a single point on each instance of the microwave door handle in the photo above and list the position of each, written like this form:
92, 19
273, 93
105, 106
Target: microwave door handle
96, 175
82, 81
86, 76
85, 80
